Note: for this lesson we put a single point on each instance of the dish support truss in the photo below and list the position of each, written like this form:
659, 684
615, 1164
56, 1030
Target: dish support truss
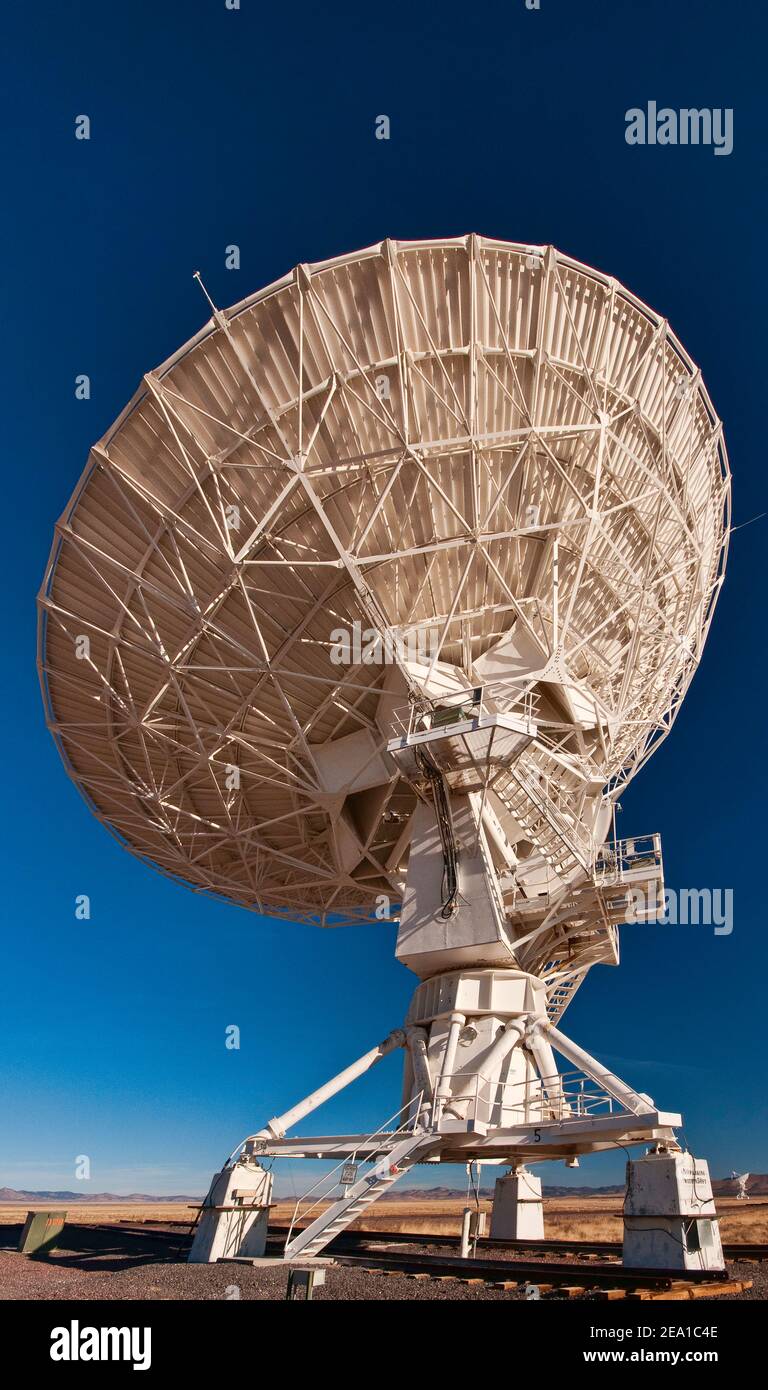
481, 1082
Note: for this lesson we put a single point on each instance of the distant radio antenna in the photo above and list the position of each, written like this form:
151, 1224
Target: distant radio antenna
741, 1180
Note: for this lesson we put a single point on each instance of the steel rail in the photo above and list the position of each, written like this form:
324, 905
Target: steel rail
735, 1250
528, 1272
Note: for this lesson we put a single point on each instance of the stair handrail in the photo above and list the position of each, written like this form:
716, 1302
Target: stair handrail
414, 1103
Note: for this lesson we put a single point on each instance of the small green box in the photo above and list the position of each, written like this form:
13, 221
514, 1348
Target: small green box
41, 1232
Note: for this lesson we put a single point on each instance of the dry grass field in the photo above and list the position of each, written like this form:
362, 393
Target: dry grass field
565, 1218
97, 1213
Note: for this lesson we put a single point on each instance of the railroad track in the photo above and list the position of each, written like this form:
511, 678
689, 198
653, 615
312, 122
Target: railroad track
595, 1277
524, 1271
551, 1279
741, 1250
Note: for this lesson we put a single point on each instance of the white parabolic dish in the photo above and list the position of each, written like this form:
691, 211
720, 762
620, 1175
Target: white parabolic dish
494, 454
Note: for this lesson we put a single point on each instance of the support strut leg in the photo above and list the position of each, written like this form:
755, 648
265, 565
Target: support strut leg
277, 1127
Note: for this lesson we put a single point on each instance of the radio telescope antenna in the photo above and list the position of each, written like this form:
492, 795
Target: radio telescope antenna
367, 608
741, 1180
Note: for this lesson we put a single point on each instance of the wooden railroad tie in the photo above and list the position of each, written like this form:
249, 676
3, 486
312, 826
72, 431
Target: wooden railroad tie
680, 1291
677, 1291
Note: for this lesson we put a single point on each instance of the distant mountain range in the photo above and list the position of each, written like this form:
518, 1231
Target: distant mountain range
448, 1194
757, 1186
10, 1194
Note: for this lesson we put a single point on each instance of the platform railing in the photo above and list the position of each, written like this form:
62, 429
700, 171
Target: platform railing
569, 1095
617, 860
425, 714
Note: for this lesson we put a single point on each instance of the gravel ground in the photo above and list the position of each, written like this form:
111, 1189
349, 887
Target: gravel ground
21, 1277
110, 1263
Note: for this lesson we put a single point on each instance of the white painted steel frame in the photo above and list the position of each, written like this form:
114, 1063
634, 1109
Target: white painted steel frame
518, 378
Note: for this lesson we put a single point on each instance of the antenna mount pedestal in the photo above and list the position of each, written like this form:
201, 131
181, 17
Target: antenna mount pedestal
518, 1213
670, 1221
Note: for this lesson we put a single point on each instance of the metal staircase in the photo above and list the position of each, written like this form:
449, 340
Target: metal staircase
555, 840
561, 994
361, 1194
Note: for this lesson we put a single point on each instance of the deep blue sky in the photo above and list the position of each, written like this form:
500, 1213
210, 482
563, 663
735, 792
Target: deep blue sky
256, 127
